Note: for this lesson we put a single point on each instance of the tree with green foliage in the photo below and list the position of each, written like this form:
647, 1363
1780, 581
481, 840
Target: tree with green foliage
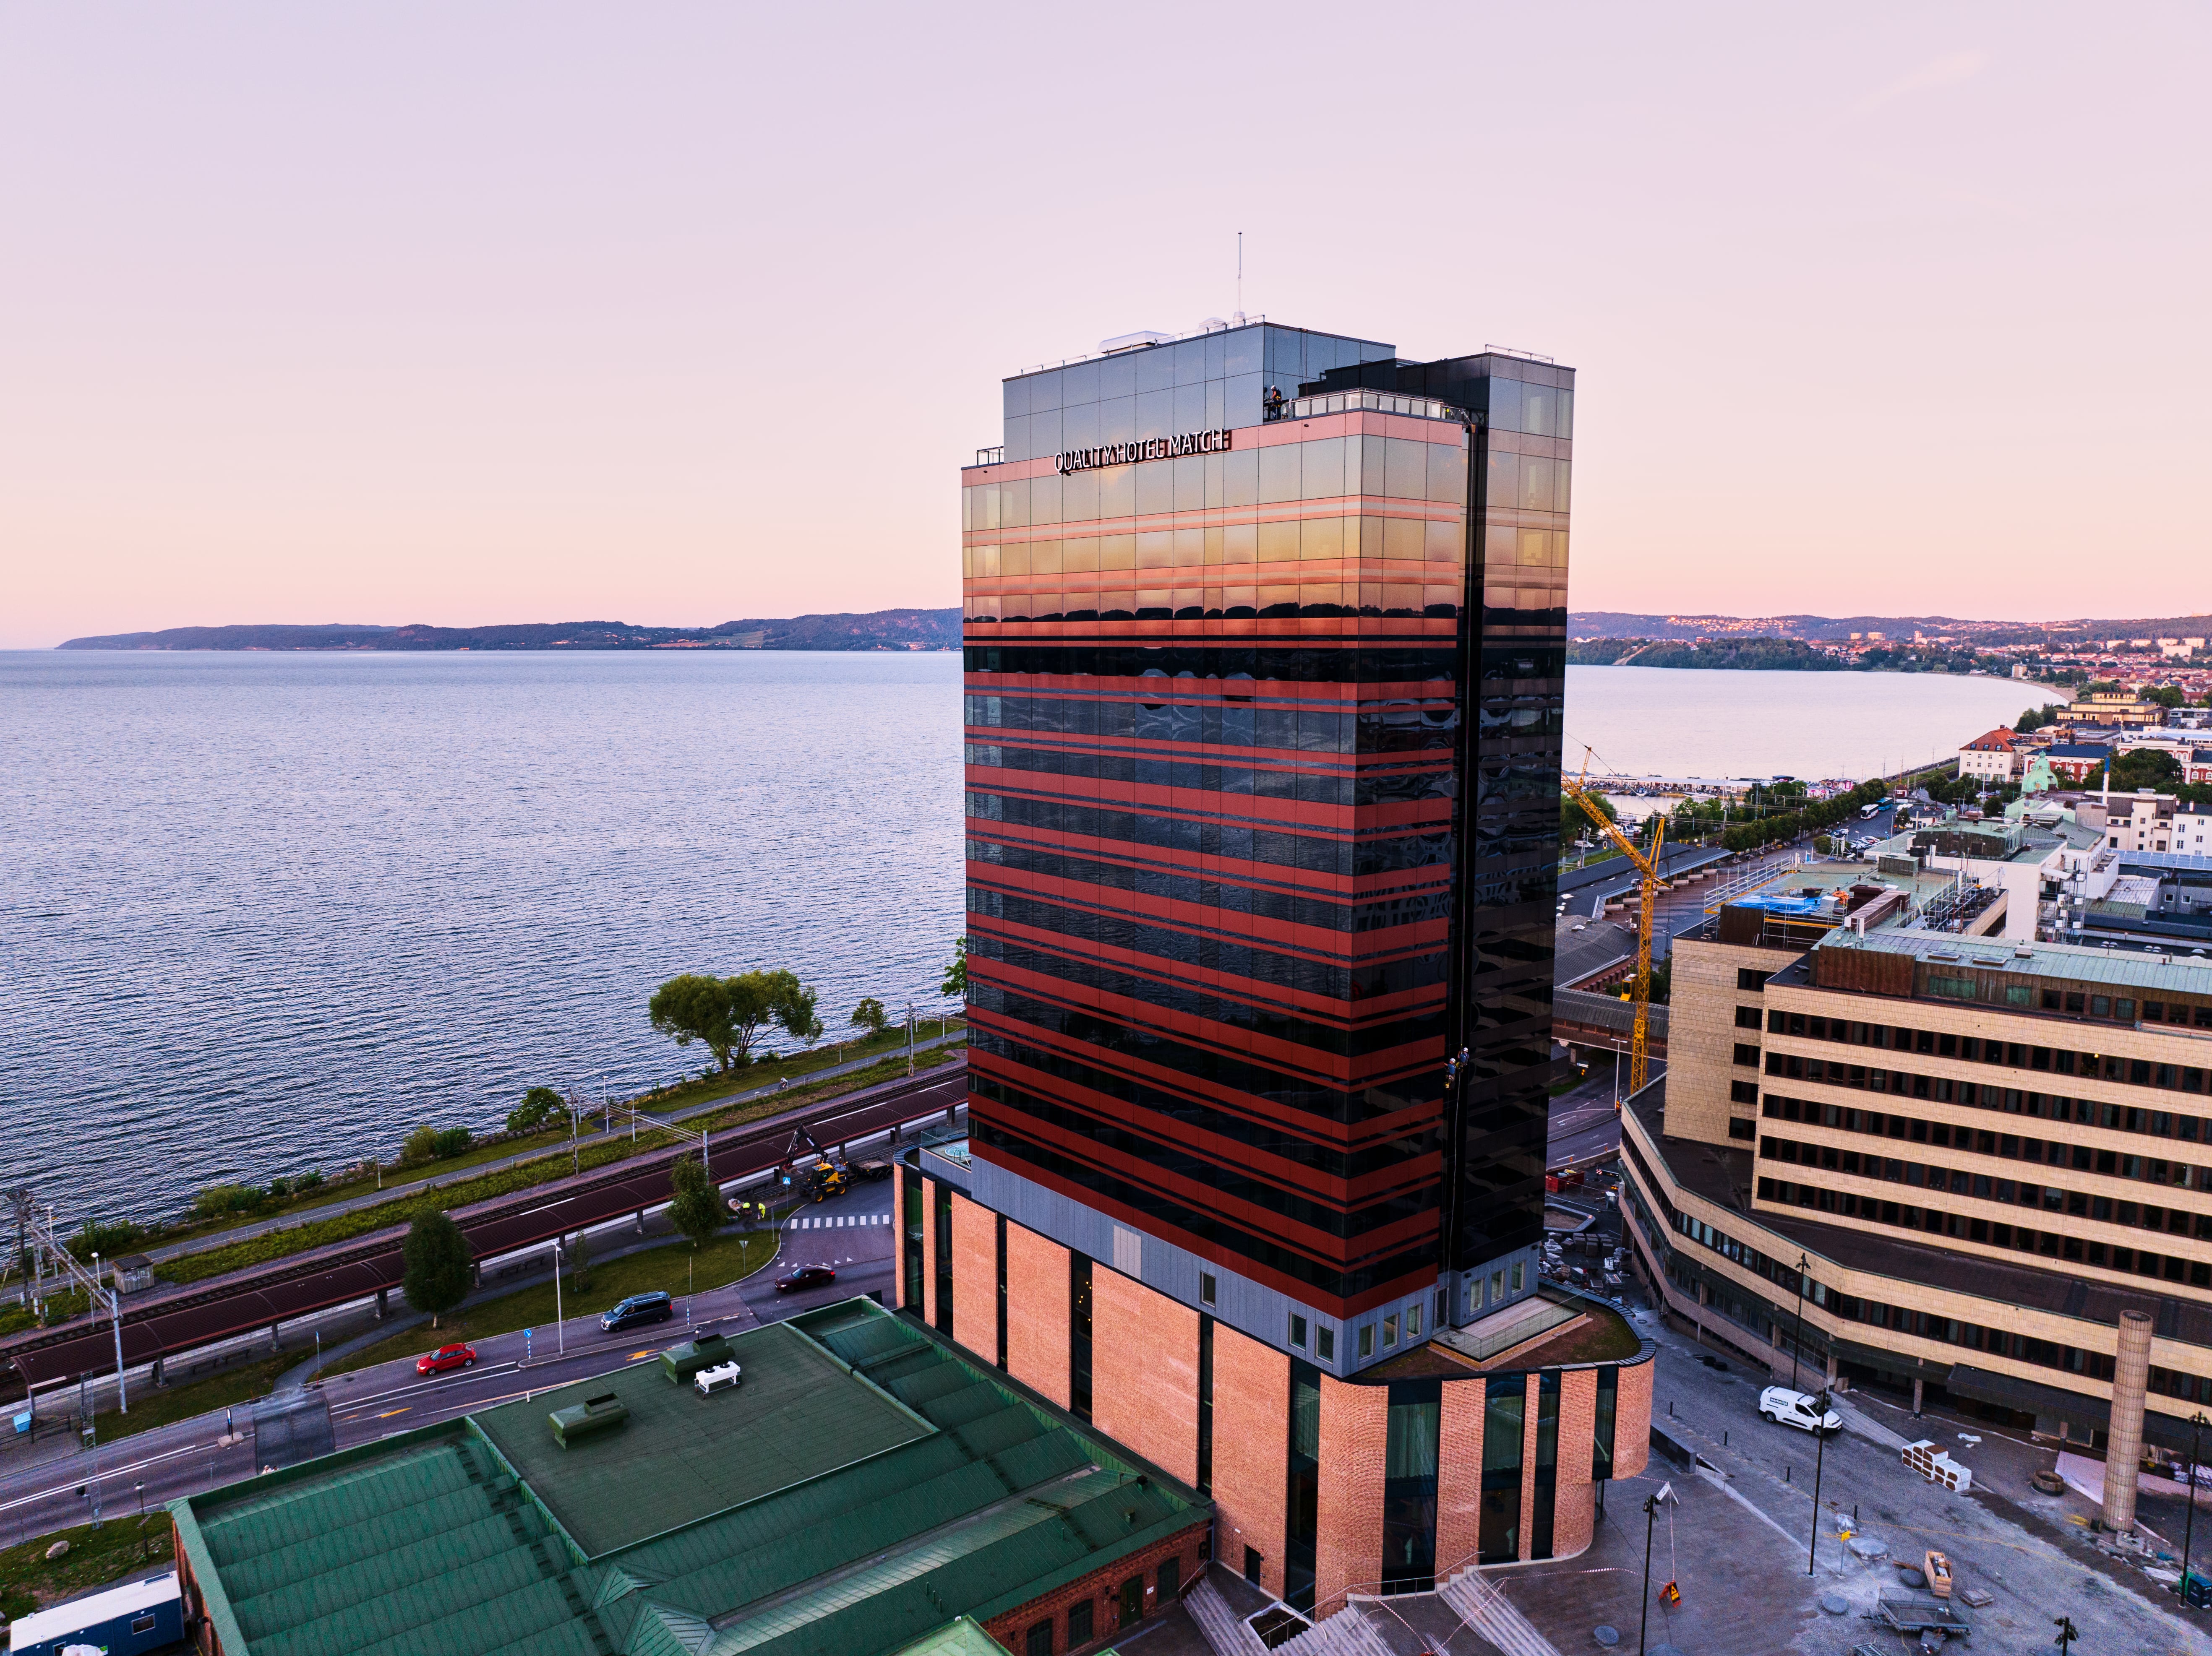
2146, 767
698, 1210
429, 1143
1574, 822
2036, 717
956, 975
541, 1107
435, 1266
794, 1014
724, 1015
2166, 695
870, 1015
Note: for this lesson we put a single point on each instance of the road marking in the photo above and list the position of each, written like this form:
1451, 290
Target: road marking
104, 1472
388, 1413
634, 1355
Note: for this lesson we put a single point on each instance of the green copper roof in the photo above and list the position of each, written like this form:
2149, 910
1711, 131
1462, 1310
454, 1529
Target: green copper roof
865, 1485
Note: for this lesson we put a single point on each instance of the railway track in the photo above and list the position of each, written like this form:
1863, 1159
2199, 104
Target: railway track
261, 1296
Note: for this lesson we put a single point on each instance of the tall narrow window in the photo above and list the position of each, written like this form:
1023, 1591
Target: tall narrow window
1608, 1400
1547, 1462
1078, 1335
944, 1258
1303, 1529
1204, 1405
1501, 1469
1001, 1229
910, 1223
1409, 1486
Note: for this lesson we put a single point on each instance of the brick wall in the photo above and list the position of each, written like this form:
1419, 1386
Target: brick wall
1144, 1371
1037, 1314
1574, 1507
1251, 1448
1459, 1474
1103, 1589
975, 1278
929, 1251
1702, 1036
1528, 1469
899, 1176
1632, 1421
1355, 1433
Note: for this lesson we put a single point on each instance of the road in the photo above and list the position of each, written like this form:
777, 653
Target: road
1584, 1126
852, 1234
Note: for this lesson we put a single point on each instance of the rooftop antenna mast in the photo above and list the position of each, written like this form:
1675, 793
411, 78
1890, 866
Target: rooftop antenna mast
1240, 276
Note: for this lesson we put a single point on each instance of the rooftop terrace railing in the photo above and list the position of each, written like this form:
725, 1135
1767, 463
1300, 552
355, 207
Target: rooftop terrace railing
1380, 402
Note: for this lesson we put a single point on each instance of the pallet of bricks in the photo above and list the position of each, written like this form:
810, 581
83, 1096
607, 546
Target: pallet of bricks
1938, 1467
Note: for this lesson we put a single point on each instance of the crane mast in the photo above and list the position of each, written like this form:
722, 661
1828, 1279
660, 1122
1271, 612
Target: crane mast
1648, 866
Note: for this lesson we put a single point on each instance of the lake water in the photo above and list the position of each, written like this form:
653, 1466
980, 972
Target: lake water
263, 912
1684, 721
260, 912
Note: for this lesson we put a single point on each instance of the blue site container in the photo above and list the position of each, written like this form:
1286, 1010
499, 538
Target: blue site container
121, 1621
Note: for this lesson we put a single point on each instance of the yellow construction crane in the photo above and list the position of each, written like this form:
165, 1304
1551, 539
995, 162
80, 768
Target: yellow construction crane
1647, 866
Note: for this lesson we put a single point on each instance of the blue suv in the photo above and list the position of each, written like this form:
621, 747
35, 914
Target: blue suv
655, 1307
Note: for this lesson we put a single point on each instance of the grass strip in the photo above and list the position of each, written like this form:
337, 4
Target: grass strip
121, 1546
344, 1227
673, 1268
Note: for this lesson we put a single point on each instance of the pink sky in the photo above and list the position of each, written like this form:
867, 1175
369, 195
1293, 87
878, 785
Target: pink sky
676, 315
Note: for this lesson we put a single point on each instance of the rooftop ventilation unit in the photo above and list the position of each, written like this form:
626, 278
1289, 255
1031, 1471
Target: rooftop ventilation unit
1131, 341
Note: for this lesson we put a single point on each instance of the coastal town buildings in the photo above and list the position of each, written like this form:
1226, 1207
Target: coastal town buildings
1264, 654
1991, 755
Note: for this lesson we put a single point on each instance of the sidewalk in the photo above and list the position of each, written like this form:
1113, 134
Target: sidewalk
376, 1197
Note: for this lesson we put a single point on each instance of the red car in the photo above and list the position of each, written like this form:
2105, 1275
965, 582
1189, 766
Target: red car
805, 1277
444, 1357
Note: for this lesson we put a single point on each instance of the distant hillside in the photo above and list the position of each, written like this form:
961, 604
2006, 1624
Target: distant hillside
1620, 624
1754, 654
881, 629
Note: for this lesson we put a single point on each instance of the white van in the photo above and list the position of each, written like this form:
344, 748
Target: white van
1787, 1408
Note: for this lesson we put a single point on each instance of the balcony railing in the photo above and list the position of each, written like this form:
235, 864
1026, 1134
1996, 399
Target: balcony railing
991, 457
1381, 401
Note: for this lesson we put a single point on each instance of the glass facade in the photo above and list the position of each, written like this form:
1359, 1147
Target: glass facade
1263, 743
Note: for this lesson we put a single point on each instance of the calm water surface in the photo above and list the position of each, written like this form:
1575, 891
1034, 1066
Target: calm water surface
264, 912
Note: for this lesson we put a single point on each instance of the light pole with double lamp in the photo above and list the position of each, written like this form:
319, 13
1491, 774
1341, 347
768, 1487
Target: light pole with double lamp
2198, 1422
1819, 1450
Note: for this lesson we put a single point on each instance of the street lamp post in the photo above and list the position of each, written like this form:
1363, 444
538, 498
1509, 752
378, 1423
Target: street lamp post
1797, 1344
2198, 1422
1644, 1620
1819, 1450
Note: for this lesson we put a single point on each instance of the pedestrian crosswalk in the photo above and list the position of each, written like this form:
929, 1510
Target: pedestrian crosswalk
832, 1222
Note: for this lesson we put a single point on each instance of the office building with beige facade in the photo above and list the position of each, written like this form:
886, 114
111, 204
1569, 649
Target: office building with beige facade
1958, 1159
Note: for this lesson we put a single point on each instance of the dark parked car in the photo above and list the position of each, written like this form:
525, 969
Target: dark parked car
872, 1170
639, 1308
805, 1276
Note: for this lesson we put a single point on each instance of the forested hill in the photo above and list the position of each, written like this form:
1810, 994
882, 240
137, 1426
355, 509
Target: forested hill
882, 629
1761, 654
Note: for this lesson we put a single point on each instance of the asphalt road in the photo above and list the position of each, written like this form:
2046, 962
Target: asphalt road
1584, 1126
852, 1234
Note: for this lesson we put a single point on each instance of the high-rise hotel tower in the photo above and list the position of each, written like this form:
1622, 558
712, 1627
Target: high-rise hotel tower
1264, 639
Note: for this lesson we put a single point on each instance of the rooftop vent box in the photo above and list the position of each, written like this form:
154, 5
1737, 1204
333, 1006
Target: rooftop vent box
1944, 955
1130, 342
